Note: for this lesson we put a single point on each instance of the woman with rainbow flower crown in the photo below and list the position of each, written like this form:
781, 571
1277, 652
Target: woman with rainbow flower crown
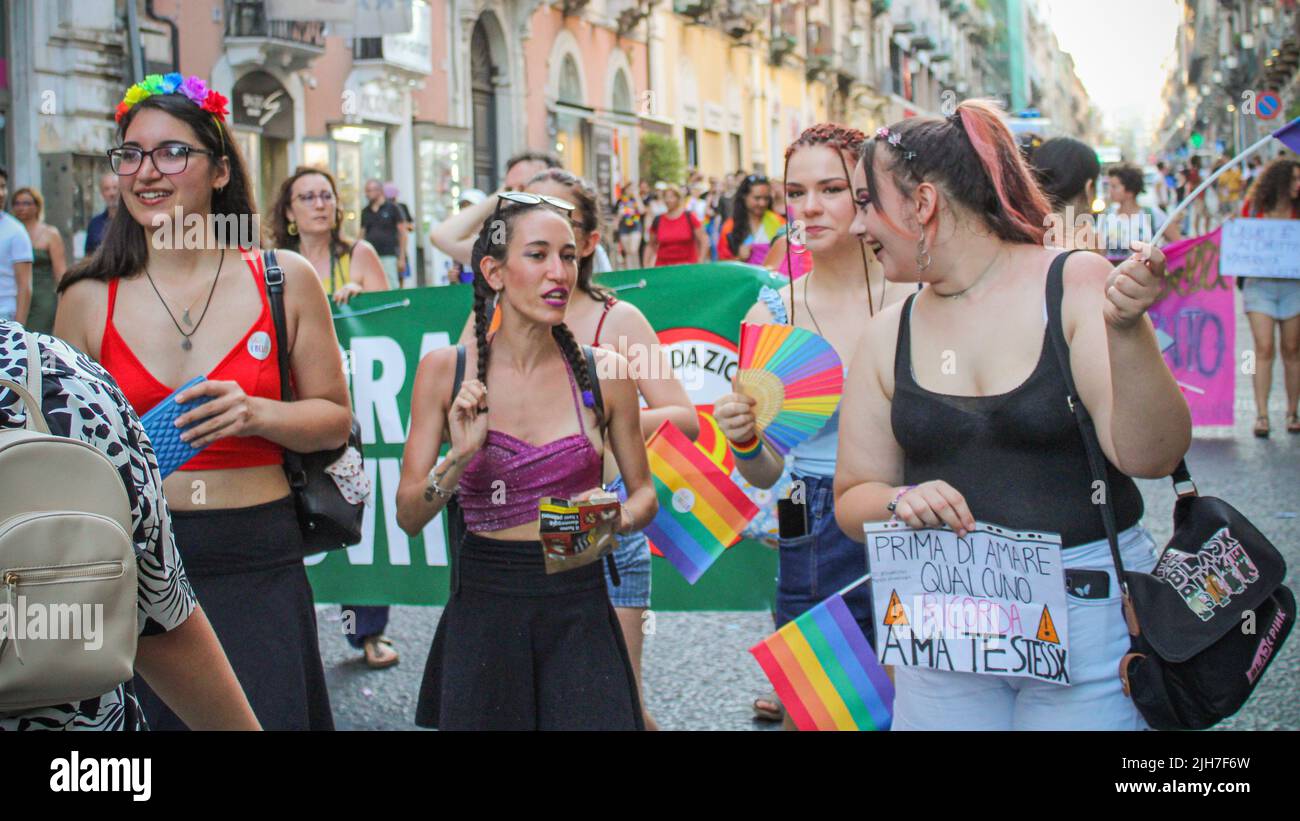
157, 312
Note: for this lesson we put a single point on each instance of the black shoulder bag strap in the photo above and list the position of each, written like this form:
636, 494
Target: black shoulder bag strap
593, 376
274, 276
455, 515
1181, 477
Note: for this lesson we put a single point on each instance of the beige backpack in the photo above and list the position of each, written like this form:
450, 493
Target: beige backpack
68, 610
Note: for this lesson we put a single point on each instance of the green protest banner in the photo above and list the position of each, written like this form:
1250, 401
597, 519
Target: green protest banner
696, 310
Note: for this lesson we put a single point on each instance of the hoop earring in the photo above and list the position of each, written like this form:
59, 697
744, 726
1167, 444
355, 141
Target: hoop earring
922, 256
292, 230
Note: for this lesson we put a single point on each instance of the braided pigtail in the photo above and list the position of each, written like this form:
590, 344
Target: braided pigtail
578, 363
492, 241
482, 298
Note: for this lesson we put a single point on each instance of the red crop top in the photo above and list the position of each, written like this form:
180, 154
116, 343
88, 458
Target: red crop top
258, 375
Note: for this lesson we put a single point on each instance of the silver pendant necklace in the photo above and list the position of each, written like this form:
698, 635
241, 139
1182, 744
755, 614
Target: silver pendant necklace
186, 344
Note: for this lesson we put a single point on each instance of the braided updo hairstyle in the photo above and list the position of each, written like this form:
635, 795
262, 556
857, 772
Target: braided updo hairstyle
486, 245
843, 139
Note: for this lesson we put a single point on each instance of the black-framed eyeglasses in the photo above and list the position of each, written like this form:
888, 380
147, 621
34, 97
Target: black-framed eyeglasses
168, 159
521, 198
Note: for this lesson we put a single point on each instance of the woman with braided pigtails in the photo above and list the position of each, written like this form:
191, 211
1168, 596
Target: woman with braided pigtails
517, 648
844, 289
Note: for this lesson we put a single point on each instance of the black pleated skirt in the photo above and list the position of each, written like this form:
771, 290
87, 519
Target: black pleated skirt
245, 565
517, 649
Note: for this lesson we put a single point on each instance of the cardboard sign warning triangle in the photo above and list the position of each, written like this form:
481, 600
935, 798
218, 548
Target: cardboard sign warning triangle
1046, 629
895, 614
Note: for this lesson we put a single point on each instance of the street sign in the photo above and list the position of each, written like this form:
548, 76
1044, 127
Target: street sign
1267, 105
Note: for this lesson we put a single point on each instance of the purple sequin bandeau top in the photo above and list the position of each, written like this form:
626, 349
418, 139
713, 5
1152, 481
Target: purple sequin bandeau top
564, 468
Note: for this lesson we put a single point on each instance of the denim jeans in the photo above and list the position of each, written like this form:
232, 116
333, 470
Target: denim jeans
822, 562
1094, 700
632, 558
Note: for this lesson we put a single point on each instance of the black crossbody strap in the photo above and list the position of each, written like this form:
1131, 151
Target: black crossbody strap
274, 276
460, 372
594, 377
1091, 445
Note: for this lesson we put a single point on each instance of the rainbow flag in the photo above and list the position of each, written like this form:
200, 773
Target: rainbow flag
701, 511
825, 673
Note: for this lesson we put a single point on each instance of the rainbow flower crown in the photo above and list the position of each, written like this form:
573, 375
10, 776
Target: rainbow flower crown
193, 87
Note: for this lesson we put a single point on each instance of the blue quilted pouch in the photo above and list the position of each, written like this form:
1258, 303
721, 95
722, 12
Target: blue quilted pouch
160, 424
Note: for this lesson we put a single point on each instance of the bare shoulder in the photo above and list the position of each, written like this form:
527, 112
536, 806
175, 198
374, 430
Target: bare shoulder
1086, 271
610, 365
884, 325
625, 319
760, 313
83, 314
298, 272
878, 343
364, 249
436, 372
1084, 284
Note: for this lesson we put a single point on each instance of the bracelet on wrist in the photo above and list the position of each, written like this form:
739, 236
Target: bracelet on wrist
431, 488
892, 506
747, 450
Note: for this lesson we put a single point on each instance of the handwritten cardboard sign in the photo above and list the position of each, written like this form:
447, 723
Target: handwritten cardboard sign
991, 602
1261, 248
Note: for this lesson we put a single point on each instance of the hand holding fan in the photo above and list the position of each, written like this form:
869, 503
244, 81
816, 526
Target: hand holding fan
796, 378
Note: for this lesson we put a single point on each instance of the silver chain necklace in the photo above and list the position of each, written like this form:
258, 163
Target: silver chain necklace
978, 279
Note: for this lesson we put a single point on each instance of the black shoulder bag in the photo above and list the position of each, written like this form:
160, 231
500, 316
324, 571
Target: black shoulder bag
328, 520
1209, 619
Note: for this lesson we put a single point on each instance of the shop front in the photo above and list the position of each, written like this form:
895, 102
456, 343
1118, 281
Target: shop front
262, 114
444, 171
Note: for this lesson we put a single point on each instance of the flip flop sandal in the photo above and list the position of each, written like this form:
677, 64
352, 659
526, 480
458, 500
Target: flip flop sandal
764, 712
1261, 427
376, 660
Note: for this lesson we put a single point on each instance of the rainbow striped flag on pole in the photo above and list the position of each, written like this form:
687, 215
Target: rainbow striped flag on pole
701, 511
825, 673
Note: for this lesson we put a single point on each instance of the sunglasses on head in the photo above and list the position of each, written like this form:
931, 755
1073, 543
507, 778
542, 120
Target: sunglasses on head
520, 198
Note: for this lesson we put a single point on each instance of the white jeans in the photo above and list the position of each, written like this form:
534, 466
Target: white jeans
942, 700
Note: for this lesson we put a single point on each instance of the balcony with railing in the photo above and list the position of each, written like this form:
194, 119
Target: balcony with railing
251, 38
821, 49
784, 38
740, 18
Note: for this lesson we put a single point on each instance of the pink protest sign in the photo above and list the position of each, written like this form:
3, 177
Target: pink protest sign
1196, 312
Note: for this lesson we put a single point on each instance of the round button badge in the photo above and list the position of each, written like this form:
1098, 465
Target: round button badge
259, 345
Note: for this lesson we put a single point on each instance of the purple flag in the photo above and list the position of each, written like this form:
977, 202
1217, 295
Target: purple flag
1289, 135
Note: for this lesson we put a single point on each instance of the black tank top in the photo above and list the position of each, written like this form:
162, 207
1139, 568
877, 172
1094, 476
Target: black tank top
1017, 457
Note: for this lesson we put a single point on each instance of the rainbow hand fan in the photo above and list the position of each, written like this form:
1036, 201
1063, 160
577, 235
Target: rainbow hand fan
795, 375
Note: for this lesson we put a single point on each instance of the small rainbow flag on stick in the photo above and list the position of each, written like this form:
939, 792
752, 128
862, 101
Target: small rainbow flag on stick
701, 511
825, 673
